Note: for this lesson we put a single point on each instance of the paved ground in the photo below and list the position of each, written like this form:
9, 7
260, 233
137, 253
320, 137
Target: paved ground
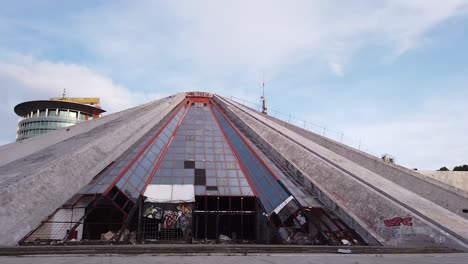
251, 259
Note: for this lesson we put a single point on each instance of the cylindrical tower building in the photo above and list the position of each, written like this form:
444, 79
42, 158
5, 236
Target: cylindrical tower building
40, 117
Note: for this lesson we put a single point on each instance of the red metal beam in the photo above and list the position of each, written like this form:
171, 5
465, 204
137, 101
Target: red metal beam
148, 144
163, 153
233, 151
250, 147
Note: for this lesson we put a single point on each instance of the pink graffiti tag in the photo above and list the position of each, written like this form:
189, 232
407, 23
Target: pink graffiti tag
398, 221
170, 219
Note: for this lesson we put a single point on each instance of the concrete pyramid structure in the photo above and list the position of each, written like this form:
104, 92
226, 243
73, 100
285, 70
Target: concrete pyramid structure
200, 167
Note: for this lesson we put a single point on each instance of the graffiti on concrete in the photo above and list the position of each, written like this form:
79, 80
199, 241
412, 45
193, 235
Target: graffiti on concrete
186, 209
153, 212
398, 221
170, 219
166, 216
167, 221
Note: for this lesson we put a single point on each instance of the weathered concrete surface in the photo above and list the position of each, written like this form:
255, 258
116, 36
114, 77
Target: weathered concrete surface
51, 168
457, 179
352, 222
369, 198
440, 192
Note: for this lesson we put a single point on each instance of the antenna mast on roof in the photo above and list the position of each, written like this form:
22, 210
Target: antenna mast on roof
262, 98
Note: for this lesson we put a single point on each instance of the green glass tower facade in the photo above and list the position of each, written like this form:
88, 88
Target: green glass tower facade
40, 117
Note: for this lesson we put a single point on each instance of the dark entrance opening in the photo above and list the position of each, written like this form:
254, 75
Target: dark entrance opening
224, 218
102, 219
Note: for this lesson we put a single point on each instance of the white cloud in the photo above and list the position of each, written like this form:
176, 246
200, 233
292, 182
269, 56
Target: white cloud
207, 45
33, 79
431, 136
220, 37
25, 78
336, 68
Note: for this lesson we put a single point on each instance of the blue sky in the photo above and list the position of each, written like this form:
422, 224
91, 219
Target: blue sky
392, 75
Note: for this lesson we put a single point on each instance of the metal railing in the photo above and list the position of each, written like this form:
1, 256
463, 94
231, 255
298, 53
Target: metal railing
322, 130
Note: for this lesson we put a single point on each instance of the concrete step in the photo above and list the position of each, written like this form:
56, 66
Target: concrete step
190, 249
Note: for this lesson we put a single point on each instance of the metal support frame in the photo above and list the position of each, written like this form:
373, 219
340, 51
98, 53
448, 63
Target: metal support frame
242, 218
139, 236
129, 217
217, 219
226, 211
92, 204
206, 219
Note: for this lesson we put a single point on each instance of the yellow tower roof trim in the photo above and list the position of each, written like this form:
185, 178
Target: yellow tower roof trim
90, 100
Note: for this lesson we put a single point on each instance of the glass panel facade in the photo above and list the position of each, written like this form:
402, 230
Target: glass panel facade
133, 180
45, 120
200, 155
270, 192
45, 124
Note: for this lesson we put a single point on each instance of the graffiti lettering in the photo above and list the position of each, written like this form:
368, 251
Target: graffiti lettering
398, 221
185, 209
170, 219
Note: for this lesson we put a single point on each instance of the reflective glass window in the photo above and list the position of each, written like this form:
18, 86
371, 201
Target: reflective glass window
133, 182
271, 194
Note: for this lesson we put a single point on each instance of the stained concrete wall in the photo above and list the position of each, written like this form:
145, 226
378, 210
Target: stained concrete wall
39, 174
372, 201
439, 192
456, 179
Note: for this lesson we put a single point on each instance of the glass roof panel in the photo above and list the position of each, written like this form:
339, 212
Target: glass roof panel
200, 155
270, 192
141, 167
